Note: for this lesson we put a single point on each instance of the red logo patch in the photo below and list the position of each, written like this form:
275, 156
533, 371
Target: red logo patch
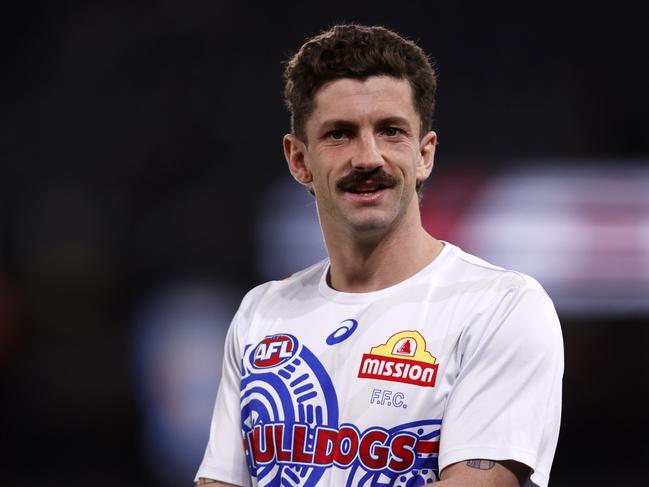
403, 358
273, 350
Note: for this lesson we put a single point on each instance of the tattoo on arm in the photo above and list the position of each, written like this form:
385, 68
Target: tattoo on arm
481, 464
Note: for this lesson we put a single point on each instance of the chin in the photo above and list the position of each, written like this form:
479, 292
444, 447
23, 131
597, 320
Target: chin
371, 224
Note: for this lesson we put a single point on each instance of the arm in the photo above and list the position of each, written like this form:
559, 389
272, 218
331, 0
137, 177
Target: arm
224, 457
213, 483
485, 473
506, 401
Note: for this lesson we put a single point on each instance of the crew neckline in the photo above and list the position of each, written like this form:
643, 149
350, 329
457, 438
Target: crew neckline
358, 298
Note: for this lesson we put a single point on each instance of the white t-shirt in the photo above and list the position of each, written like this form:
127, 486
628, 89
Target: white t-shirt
464, 360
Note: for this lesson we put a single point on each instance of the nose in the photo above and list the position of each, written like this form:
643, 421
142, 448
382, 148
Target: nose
367, 156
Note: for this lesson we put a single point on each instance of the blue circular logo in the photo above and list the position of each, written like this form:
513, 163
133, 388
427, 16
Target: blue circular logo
347, 328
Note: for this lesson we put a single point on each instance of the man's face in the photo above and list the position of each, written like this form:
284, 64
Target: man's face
364, 154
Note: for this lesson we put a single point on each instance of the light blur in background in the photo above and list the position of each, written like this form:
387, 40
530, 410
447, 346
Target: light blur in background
143, 191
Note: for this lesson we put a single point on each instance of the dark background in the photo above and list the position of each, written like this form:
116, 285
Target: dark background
136, 137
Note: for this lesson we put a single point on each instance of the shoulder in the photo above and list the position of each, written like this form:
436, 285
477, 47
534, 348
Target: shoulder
510, 310
272, 294
500, 300
474, 273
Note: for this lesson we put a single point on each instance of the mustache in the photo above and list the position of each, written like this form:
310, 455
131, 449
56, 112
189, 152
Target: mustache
378, 177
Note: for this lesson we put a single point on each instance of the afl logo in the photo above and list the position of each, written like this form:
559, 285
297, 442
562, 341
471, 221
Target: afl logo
273, 350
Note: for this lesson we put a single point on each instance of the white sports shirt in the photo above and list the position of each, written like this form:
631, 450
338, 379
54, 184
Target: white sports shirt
464, 360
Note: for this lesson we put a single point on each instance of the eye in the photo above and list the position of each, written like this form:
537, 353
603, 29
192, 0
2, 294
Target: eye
336, 134
391, 131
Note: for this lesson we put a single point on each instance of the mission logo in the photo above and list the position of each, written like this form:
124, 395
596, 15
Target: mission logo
403, 358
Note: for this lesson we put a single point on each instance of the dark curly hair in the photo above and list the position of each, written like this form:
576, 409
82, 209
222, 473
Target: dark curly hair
358, 52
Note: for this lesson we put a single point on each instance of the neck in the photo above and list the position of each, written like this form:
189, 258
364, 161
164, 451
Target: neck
370, 263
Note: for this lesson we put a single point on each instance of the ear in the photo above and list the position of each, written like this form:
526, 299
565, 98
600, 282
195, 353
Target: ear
426, 155
294, 150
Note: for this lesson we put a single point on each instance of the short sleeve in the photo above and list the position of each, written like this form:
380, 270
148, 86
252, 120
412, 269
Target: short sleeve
224, 458
506, 401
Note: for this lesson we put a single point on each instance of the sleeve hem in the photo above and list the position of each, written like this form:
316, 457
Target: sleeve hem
539, 478
219, 473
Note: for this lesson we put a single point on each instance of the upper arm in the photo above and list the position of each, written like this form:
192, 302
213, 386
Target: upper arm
506, 401
224, 456
485, 473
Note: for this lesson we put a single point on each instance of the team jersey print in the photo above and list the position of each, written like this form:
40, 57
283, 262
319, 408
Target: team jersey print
290, 418
386, 389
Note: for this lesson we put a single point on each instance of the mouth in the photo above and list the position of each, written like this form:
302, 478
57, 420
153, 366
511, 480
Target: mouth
366, 188
366, 184
367, 192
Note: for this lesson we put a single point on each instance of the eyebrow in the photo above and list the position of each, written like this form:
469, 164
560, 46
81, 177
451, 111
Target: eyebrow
342, 124
395, 120
337, 124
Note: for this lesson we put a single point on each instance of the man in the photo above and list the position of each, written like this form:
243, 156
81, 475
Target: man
400, 360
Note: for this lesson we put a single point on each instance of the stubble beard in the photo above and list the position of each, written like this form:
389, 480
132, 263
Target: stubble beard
369, 225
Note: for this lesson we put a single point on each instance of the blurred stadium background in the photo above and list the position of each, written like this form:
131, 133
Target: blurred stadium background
143, 191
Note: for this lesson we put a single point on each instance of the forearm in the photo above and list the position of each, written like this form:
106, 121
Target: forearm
484, 473
212, 483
